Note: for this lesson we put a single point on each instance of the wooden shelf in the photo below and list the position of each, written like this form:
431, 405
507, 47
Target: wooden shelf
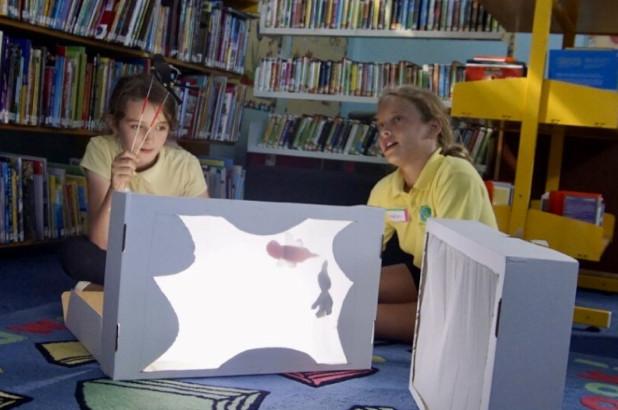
420, 34
323, 97
199, 141
490, 99
245, 6
603, 281
107, 46
15, 245
577, 105
49, 130
256, 149
561, 103
576, 238
592, 317
593, 16
184, 142
315, 97
200, 146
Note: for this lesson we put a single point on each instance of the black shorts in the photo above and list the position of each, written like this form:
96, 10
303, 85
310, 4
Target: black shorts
83, 260
393, 255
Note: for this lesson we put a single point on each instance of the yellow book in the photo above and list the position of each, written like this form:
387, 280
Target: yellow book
345, 20
308, 15
269, 128
353, 80
14, 205
329, 13
376, 14
36, 68
51, 196
23, 104
79, 202
355, 7
388, 9
46, 10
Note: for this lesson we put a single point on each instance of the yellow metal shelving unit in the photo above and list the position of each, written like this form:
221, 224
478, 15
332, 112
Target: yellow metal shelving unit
534, 100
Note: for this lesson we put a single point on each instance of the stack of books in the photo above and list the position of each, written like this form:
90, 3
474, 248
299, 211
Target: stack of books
584, 206
490, 68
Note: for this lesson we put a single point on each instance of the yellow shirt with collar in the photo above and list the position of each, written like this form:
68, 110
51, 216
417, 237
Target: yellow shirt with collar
176, 173
447, 187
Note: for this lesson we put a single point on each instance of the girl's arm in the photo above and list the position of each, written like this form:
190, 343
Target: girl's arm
100, 195
99, 207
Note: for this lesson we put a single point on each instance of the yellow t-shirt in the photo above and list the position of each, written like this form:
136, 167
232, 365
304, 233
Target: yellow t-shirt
447, 187
176, 173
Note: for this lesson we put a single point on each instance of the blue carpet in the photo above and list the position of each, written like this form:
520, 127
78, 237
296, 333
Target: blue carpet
41, 367
30, 277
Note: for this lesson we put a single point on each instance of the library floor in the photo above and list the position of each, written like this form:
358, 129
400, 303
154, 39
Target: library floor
41, 367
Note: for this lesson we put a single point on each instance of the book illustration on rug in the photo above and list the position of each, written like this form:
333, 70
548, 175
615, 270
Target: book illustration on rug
68, 353
104, 394
319, 379
8, 338
9, 400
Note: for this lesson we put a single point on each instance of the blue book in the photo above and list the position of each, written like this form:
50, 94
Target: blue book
583, 209
592, 67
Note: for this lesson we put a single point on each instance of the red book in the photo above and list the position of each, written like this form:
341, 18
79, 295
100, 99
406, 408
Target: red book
490, 71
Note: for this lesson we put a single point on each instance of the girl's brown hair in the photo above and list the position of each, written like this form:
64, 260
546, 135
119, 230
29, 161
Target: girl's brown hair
135, 87
430, 108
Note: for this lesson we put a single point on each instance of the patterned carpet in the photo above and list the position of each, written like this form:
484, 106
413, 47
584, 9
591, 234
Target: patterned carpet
43, 367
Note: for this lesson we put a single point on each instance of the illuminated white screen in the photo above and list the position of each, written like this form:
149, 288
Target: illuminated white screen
455, 324
247, 291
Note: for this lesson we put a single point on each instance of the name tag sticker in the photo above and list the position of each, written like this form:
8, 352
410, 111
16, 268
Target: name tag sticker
397, 215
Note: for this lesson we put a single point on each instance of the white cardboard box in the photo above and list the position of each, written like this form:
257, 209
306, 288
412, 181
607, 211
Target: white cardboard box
199, 287
493, 322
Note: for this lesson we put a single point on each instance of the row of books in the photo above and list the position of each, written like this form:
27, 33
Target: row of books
320, 133
479, 140
584, 206
224, 179
63, 87
67, 88
40, 200
211, 108
444, 15
493, 67
198, 31
353, 78
354, 137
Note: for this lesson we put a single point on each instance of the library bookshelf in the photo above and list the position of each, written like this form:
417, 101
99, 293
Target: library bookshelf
537, 102
29, 29
534, 101
324, 97
34, 33
254, 146
353, 19
386, 34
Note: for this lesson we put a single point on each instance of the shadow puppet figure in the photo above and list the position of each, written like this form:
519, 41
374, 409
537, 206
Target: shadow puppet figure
324, 302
